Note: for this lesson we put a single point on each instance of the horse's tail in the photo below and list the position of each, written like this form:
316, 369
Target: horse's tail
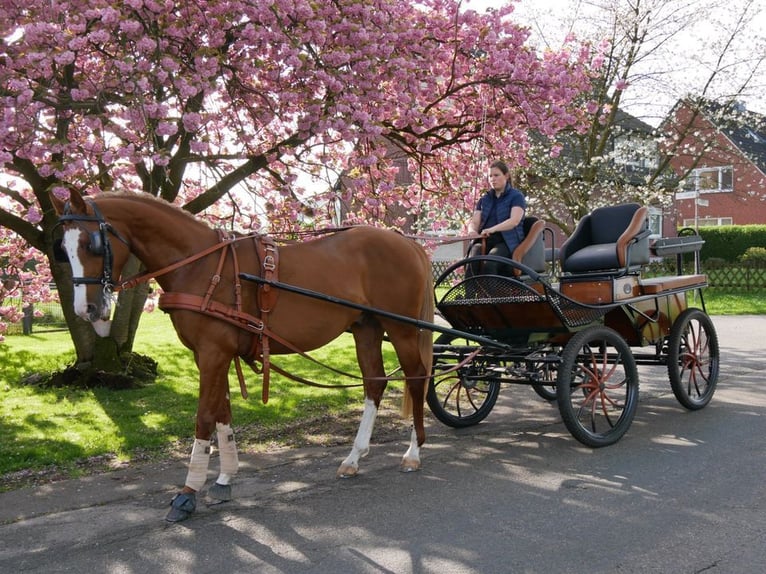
425, 339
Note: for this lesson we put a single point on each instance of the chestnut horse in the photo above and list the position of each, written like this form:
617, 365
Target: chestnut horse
221, 319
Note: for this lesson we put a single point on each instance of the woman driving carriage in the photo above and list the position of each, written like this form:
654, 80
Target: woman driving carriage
497, 218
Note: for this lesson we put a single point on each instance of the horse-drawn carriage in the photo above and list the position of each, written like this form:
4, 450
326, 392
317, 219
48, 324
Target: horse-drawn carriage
572, 335
569, 335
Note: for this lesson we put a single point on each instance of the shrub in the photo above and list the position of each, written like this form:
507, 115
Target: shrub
730, 242
754, 256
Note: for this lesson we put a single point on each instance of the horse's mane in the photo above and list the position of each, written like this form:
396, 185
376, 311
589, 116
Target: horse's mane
145, 198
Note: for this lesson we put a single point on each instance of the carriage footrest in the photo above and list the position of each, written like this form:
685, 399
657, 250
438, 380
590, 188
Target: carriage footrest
657, 285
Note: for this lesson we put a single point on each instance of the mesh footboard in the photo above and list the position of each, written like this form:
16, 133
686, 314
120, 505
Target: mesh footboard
494, 289
510, 306
501, 307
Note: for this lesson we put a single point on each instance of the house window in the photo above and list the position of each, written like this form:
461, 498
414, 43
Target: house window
709, 221
710, 179
655, 222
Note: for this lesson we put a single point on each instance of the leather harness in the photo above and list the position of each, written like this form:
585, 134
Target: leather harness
268, 255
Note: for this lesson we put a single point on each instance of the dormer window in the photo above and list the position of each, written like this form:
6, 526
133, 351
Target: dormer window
756, 137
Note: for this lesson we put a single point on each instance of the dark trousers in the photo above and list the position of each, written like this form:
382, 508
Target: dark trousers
497, 248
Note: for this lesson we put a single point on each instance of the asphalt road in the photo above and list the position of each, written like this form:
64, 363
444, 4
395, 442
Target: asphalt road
682, 492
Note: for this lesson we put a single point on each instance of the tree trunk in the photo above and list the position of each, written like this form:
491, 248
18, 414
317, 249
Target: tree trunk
82, 334
130, 306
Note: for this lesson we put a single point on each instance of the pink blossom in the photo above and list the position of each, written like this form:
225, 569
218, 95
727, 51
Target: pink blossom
34, 215
191, 121
275, 100
160, 159
167, 128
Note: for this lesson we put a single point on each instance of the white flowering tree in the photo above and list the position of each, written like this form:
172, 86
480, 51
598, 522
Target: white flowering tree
652, 53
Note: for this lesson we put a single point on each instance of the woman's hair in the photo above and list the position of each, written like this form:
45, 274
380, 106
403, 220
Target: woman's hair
501, 165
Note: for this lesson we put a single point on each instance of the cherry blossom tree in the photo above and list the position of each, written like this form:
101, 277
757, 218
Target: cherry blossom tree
245, 111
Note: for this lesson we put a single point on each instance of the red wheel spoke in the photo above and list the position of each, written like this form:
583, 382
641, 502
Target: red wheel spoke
695, 358
597, 370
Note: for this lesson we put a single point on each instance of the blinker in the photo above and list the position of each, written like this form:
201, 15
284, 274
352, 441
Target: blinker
59, 253
95, 247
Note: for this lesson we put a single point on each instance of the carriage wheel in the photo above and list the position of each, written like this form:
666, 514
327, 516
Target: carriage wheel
466, 396
546, 387
597, 386
693, 359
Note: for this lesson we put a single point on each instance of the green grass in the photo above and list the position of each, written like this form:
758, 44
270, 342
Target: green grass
719, 301
60, 426
42, 427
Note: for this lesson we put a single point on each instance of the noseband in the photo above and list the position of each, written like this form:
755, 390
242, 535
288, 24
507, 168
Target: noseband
99, 245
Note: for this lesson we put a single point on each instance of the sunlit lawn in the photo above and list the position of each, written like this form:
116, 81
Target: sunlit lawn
735, 301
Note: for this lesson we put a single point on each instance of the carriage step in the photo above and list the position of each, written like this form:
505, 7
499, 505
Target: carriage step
658, 285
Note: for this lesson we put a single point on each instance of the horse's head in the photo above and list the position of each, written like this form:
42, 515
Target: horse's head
95, 260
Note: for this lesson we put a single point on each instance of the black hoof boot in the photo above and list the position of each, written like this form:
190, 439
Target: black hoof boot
219, 493
181, 507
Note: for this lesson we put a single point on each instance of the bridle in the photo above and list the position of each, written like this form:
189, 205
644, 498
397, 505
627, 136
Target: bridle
99, 244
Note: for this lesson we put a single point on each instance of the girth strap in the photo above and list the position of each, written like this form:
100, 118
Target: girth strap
188, 302
268, 254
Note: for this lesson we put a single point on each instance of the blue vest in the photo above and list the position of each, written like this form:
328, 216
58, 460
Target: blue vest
497, 209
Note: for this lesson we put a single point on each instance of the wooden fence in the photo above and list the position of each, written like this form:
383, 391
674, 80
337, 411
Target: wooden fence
750, 277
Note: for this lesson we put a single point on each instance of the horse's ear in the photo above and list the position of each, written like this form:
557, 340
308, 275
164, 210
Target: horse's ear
77, 203
58, 204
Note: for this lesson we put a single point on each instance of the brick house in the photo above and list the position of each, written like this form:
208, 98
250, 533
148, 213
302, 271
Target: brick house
722, 160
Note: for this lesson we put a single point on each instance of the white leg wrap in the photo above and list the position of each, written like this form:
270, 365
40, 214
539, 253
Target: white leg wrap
227, 448
200, 458
362, 441
413, 453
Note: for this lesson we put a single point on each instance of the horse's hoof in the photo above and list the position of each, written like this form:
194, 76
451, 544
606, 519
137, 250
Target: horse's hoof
347, 471
409, 465
181, 507
219, 493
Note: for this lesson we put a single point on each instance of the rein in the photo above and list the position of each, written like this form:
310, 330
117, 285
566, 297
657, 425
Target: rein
144, 277
268, 255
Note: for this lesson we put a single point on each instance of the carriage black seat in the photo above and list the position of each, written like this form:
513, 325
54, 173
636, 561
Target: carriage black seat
611, 240
531, 251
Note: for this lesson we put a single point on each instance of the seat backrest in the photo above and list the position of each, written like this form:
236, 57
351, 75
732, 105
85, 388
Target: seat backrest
605, 239
531, 251
607, 224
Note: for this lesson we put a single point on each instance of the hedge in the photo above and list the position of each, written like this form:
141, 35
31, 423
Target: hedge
729, 242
